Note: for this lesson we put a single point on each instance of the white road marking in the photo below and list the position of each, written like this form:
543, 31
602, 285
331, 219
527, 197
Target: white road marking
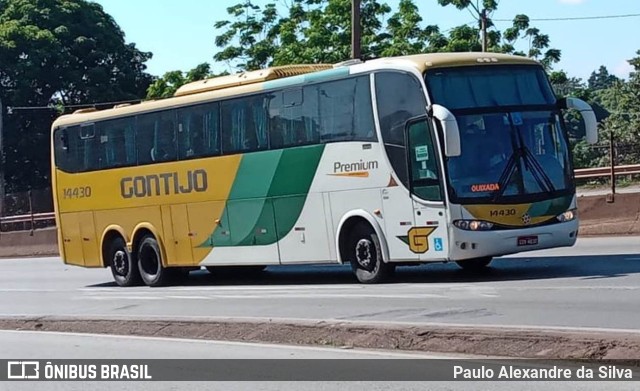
276, 296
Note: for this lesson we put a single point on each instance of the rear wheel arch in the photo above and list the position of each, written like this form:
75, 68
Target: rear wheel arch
111, 233
145, 229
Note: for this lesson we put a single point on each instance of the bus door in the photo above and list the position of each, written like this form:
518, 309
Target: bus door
429, 236
398, 212
177, 235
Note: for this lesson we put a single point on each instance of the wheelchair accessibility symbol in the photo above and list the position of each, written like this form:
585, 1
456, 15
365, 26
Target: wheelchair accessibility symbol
437, 244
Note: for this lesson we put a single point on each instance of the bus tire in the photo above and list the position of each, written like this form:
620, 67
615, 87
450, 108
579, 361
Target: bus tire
150, 262
363, 251
475, 264
123, 267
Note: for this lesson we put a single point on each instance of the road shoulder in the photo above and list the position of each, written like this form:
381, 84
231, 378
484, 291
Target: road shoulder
519, 342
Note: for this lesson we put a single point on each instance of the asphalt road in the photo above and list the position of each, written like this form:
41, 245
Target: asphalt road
595, 284
44, 346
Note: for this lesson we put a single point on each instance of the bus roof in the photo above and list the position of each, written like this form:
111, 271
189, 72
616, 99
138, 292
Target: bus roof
251, 77
254, 81
427, 61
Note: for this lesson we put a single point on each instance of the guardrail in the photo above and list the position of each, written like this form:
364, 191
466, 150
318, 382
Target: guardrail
28, 221
581, 173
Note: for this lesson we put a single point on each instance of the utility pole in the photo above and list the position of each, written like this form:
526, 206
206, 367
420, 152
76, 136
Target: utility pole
355, 29
483, 26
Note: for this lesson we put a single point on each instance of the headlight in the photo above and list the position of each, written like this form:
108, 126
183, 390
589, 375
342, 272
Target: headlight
473, 225
567, 216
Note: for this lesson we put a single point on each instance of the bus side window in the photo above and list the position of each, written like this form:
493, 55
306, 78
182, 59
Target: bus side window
277, 121
211, 130
65, 150
198, 131
88, 148
144, 137
293, 117
346, 113
399, 96
233, 125
245, 122
155, 137
164, 138
117, 141
257, 134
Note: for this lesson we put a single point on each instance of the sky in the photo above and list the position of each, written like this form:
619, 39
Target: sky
180, 34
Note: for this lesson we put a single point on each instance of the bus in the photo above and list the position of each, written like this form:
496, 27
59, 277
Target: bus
393, 161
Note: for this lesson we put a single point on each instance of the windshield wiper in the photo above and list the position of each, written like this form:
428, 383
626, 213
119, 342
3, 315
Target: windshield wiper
506, 175
537, 171
530, 161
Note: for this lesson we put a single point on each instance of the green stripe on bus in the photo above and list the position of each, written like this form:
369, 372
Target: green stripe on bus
268, 193
552, 207
255, 174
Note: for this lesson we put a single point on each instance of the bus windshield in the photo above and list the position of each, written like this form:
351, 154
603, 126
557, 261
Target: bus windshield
514, 148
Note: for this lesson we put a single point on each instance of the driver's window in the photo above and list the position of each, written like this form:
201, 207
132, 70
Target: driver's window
425, 177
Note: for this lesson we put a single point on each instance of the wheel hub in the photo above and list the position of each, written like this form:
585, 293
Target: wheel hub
120, 262
363, 253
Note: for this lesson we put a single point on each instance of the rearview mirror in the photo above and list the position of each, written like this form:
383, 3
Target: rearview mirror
589, 117
449, 128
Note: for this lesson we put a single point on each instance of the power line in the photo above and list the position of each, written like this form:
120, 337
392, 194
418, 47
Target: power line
574, 18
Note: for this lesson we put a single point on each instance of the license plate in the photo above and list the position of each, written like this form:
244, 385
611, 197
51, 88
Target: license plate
527, 240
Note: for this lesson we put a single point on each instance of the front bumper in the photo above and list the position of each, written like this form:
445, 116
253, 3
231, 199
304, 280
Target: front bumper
476, 244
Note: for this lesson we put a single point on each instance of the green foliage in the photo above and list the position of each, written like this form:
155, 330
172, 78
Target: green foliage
586, 156
504, 41
616, 103
319, 31
622, 99
313, 31
58, 53
601, 79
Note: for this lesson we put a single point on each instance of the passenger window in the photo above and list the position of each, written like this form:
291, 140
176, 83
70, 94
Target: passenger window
399, 96
199, 131
88, 148
117, 140
345, 110
244, 124
156, 137
293, 118
65, 141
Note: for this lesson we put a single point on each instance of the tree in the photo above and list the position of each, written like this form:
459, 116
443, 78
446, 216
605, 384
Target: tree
622, 99
601, 79
404, 34
313, 31
56, 53
319, 31
504, 42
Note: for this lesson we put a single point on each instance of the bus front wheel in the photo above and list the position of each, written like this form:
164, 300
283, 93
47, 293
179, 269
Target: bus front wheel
364, 253
475, 264
150, 262
125, 271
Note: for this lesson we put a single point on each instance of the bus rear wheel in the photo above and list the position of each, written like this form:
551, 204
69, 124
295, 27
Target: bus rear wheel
150, 262
475, 264
125, 271
364, 253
